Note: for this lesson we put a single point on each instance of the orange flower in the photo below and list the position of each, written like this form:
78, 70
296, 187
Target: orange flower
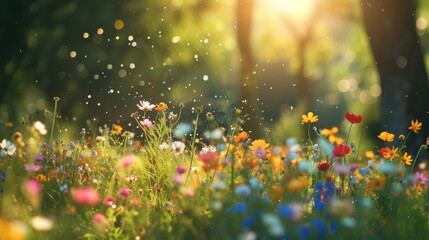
389, 153
407, 159
117, 129
387, 137
241, 137
160, 107
416, 126
259, 143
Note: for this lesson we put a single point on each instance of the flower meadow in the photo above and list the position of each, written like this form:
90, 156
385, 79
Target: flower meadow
179, 180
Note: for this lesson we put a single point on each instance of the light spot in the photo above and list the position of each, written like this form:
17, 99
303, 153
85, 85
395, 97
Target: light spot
73, 54
85, 35
175, 39
100, 31
119, 24
205, 77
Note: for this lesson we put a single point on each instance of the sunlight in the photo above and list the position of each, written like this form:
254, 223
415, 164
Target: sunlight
298, 11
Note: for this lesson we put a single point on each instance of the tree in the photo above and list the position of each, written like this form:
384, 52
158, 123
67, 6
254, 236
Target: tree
248, 82
390, 25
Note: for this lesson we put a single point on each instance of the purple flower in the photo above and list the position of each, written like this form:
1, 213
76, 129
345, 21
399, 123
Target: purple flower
39, 158
180, 169
146, 122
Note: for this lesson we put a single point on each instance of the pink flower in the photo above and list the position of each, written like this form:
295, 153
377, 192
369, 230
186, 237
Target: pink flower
178, 179
208, 158
421, 178
128, 160
146, 122
86, 196
33, 187
125, 192
99, 218
190, 192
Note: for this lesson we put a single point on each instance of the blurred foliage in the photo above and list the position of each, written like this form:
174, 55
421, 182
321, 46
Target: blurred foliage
180, 51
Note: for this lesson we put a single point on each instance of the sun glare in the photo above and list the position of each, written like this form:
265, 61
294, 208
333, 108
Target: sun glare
299, 11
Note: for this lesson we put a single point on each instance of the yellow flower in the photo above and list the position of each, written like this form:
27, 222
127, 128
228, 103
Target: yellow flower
328, 132
116, 129
41, 178
297, 184
416, 126
407, 159
370, 155
385, 136
390, 153
259, 143
161, 107
309, 118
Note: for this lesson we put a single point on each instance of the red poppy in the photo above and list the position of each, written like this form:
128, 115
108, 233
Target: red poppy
353, 118
323, 166
341, 150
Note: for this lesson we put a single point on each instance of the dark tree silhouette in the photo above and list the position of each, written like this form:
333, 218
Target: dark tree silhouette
390, 25
248, 84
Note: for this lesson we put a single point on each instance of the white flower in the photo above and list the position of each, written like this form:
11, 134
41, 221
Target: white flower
207, 149
145, 106
177, 147
39, 126
8, 147
164, 146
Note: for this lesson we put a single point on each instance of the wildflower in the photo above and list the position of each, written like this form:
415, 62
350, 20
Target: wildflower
178, 179
180, 169
389, 153
341, 169
208, 158
177, 147
323, 166
340, 207
421, 178
40, 177
86, 196
128, 160
182, 129
188, 191
39, 158
241, 137
259, 153
293, 211
160, 107
117, 129
40, 127
145, 106
353, 118
40, 223
146, 122
7, 147
340, 150
407, 159
32, 167
243, 190
386, 167
296, 184
259, 143
306, 166
131, 179
164, 146
172, 116
309, 118
32, 187
387, 137
109, 201
273, 225
416, 126
125, 191
207, 149
99, 222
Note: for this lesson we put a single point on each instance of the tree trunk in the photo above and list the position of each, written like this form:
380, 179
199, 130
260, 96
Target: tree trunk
248, 84
390, 25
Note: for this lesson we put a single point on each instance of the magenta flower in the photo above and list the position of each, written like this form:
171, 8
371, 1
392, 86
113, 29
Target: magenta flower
86, 196
125, 192
421, 178
99, 218
180, 169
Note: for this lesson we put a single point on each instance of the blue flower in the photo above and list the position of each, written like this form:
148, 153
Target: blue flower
238, 208
319, 226
248, 222
304, 232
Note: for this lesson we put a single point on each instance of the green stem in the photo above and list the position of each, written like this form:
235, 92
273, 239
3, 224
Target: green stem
193, 142
56, 99
415, 159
